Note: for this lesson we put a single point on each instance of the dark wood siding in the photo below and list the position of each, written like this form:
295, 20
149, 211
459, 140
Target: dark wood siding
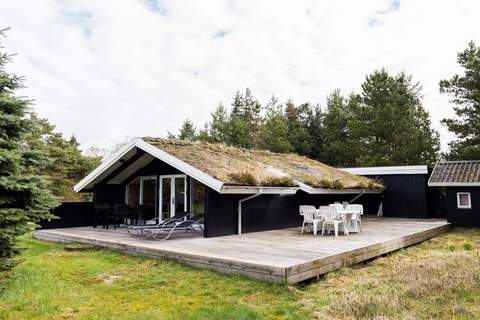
220, 214
109, 193
405, 195
71, 214
463, 217
269, 212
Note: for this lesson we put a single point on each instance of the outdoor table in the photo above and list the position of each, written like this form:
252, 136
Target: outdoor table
347, 219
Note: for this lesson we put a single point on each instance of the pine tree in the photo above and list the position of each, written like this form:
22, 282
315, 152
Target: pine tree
218, 127
389, 124
465, 90
67, 164
274, 132
338, 146
298, 131
24, 198
187, 131
245, 121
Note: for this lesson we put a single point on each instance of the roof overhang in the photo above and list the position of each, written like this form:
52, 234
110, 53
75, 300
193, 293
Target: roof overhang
127, 151
312, 190
108, 167
372, 171
259, 189
454, 184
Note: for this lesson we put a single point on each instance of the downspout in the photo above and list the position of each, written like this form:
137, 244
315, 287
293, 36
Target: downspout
240, 208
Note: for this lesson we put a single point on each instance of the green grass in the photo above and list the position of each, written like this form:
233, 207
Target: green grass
426, 281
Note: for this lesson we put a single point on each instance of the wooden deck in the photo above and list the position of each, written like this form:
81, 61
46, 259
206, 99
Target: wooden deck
281, 256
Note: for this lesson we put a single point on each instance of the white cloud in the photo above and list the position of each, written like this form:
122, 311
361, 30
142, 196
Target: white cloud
109, 69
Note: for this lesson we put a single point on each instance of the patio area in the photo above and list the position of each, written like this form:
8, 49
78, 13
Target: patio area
281, 256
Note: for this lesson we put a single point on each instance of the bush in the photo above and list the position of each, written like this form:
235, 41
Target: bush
243, 178
278, 182
467, 245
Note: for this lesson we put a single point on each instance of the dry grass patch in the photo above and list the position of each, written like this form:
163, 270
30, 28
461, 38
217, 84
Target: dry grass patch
237, 166
427, 281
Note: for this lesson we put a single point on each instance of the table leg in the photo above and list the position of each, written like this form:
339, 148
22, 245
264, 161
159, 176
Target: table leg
346, 222
315, 226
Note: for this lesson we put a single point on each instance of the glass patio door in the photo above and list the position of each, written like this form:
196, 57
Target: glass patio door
173, 195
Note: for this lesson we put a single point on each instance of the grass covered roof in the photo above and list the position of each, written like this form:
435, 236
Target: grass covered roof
247, 167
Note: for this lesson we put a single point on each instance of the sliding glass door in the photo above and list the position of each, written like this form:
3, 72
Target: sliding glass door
173, 195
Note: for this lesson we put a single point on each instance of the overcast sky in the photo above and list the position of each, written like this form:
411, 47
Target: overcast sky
105, 70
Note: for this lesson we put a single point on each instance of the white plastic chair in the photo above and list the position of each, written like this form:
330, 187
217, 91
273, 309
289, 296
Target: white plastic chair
331, 217
309, 217
357, 216
337, 205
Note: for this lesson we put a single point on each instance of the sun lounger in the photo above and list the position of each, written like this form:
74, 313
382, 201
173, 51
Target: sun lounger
138, 229
193, 225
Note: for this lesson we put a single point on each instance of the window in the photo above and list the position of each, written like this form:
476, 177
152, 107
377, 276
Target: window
148, 191
197, 196
141, 191
463, 200
132, 193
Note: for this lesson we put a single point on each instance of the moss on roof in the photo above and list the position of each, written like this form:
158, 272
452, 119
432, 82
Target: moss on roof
247, 167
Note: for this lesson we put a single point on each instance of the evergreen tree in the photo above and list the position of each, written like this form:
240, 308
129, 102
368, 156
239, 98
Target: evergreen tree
245, 121
274, 132
298, 130
67, 164
338, 145
465, 90
187, 131
23, 197
218, 127
390, 125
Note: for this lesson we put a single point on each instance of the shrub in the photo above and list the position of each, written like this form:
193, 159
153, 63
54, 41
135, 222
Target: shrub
451, 246
243, 178
278, 182
331, 184
467, 245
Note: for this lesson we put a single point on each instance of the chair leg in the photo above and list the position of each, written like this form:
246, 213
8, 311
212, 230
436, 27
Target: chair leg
303, 225
335, 225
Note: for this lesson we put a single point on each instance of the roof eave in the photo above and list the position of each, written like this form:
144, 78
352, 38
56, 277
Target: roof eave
312, 190
391, 170
159, 154
454, 184
257, 189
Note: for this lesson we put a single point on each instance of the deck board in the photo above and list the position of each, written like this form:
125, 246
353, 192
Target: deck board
282, 256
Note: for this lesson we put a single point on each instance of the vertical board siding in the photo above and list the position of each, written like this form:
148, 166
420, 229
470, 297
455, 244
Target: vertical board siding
269, 212
463, 217
109, 193
405, 195
71, 214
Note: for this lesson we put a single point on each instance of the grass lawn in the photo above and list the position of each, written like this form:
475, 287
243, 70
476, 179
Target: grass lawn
439, 278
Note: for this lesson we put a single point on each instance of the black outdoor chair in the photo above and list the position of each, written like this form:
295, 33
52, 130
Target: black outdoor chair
144, 213
102, 213
121, 213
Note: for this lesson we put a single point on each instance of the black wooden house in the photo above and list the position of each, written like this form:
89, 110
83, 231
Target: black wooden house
460, 182
237, 190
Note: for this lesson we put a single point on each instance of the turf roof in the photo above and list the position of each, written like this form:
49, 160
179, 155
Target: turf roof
247, 167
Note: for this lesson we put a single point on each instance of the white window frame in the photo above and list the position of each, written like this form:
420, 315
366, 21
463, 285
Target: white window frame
191, 194
142, 179
172, 178
469, 206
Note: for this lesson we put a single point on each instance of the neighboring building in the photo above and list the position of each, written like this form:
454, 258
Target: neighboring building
406, 193
460, 181
238, 190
